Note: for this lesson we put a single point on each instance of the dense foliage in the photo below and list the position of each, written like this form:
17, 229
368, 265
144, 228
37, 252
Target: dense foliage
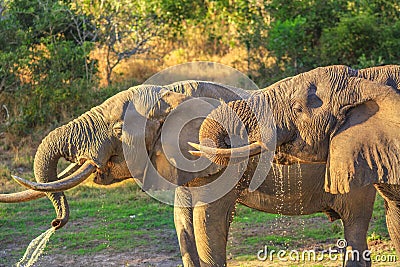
49, 71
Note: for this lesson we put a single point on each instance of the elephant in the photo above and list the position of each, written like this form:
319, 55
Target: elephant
299, 191
344, 119
203, 242
94, 140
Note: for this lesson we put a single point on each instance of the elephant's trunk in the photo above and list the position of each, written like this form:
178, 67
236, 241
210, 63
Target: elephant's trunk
235, 131
72, 142
45, 170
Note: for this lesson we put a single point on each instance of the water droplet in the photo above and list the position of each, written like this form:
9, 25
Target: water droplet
35, 249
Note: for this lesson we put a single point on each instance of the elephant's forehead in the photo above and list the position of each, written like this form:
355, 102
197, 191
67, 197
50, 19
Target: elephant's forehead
323, 81
114, 108
136, 102
116, 111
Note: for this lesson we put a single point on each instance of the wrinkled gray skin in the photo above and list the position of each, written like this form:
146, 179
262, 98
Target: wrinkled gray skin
332, 116
203, 230
96, 137
202, 240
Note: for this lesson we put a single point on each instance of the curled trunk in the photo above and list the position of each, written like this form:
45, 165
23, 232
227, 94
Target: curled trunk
225, 128
45, 170
76, 142
237, 130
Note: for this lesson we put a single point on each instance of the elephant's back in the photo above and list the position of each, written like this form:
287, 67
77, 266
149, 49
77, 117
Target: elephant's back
388, 75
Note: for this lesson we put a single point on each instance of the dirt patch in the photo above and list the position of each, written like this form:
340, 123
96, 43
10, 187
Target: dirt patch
142, 257
133, 258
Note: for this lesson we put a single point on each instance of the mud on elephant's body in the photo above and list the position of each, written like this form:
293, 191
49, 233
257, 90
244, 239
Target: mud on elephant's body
333, 115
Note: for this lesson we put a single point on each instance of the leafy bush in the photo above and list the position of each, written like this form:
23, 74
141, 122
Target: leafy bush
46, 75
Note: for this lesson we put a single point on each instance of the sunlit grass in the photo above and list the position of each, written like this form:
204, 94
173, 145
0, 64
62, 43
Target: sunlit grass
121, 219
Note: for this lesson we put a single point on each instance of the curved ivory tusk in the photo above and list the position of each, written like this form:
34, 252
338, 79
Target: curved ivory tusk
237, 152
67, 171
61, 185
196, 153
30, 194
23, 196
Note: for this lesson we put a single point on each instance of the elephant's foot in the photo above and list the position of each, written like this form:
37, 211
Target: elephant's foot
356, 214
356, 259
211, 225
391, 195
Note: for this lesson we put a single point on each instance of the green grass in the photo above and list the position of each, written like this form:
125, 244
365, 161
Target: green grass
122, 219
118, 218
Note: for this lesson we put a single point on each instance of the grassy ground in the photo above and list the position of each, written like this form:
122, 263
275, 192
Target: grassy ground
124, 227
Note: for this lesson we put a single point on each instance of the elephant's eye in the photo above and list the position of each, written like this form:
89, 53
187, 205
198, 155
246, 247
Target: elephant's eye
297, 108
117, 128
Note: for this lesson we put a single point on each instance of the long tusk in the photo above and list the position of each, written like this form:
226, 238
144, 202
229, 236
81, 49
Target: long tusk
61, 185
196, 153
23, 196
67, 171
30, 194
237, 152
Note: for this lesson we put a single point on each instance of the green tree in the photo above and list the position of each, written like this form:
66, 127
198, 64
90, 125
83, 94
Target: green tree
123, 28
296, 30
367, 35
289, 42
44, 69
353, 37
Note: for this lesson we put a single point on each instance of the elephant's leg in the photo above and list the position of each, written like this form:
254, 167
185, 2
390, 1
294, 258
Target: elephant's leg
183, 218
393, 222
391, 195
211, 224
356, 212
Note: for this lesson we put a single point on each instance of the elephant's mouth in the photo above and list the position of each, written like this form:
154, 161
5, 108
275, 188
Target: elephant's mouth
105, 177
114, 171
223, 155
298, 151
287, 159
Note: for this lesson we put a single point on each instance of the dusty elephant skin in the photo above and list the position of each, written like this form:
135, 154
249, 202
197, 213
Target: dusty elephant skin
345, 118
202, 230
94, 140
203, 240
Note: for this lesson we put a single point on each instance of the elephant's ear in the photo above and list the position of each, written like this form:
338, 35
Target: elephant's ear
366, 148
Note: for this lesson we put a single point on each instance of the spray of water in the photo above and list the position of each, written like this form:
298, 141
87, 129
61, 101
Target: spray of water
300, 188
286, 180
280, 191
35, 249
